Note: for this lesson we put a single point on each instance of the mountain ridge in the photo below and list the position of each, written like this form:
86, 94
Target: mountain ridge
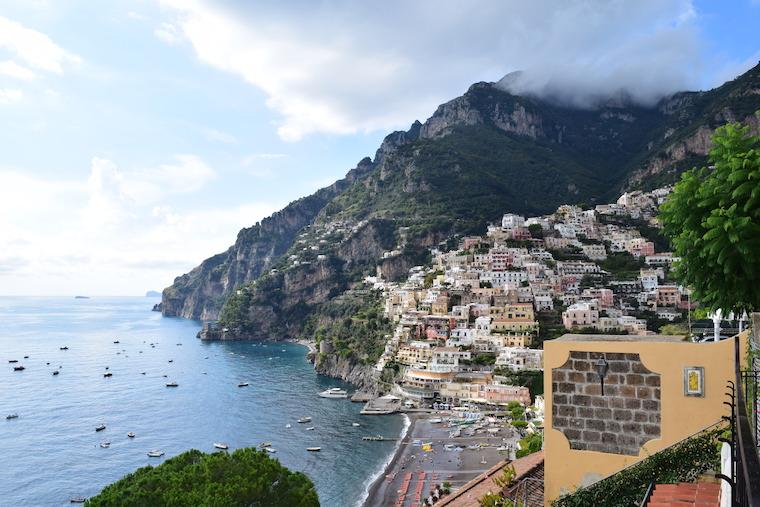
478, 155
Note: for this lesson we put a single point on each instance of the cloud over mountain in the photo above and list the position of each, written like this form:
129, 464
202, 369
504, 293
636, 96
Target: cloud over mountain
345, 67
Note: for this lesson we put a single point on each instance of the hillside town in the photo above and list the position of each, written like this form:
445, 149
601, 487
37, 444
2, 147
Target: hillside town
465, 325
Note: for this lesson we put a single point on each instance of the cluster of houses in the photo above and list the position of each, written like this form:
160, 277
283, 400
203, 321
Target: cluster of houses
466, 324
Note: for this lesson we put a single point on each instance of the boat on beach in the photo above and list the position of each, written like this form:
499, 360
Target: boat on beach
334, 392
155, 454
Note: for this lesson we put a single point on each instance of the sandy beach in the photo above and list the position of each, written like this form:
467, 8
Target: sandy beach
412, 472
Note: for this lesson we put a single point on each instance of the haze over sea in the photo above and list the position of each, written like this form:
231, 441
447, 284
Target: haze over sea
51, 452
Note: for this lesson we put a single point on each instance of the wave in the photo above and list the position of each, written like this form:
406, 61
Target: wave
383, 466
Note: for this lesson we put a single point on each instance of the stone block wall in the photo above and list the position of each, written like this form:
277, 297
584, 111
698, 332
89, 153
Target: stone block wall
621, 421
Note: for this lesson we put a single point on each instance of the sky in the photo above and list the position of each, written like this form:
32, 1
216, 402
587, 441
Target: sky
138, 137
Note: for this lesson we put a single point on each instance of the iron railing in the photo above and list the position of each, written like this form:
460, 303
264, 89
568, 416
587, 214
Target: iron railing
745, 460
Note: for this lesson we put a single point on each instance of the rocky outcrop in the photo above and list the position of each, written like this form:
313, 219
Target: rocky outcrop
361, 375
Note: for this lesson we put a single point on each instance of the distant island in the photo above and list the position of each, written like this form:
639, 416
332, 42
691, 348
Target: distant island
152, 294
81, 297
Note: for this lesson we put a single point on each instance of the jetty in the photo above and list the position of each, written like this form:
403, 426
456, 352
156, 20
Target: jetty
361, 397
383, 405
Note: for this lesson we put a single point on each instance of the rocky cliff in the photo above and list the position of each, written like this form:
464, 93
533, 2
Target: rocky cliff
478, 156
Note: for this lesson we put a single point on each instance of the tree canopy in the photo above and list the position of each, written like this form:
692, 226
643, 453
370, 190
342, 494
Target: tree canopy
246, 477
713, 221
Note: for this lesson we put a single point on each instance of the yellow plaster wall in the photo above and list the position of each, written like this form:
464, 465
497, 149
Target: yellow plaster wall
567, 469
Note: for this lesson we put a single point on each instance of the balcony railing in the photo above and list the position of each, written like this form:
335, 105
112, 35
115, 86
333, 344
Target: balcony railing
745, 458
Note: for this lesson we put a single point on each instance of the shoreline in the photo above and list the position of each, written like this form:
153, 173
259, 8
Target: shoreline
414, 470
312, 346
376, 478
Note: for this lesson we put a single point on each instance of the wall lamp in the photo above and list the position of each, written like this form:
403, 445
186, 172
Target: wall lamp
601, 369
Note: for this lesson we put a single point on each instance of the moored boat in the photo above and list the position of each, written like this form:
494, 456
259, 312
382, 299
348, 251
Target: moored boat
64, 348
11, 416
313, 449
334, 392
77, 499
19, 368
131, 435
304, 420
108, 374
100, 427
221, 445
155, 454
56, 372
105, 445
243, 384
172, 384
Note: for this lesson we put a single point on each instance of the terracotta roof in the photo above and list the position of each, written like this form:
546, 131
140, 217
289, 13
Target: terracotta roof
685, 495
468, 495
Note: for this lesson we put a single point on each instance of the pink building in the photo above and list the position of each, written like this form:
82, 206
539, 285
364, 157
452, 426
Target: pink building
580, 315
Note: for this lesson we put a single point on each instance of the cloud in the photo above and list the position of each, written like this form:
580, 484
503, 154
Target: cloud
34, 48
168, 33
8, 95
12, 69
220, 137
114, 231
346, 67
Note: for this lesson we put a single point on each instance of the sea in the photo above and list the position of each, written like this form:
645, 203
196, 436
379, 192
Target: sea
52, 452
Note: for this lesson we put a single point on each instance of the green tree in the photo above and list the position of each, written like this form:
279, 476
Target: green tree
244, 477
713, 221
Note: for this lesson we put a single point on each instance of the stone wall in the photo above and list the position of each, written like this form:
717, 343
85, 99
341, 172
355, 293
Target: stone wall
620, 421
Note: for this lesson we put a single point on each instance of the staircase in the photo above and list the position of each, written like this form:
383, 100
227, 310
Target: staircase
685, 494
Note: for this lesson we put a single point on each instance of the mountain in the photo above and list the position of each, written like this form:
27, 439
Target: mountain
478, 156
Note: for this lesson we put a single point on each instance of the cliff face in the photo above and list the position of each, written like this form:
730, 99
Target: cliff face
478, 156
346, 369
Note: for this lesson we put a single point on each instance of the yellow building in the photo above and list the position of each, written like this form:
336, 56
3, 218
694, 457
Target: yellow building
657, 391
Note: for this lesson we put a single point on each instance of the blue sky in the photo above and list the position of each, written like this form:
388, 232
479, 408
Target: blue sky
137, 137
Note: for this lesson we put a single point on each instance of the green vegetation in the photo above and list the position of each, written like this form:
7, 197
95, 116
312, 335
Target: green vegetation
530, 444
532, 379
243, 478
713, 221
622, 265
682, 462
353, 323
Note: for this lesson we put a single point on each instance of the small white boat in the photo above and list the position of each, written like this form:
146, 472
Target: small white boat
172, 384
19, 368
100, 427
334, 392
77, 499
108, 374
220, 445
270, 450
105, 445
288, 425
11, 416
310, 428
64, 348
264, 445
131, 435
355, 425
155, 454
313, 449
304, 420
243, 384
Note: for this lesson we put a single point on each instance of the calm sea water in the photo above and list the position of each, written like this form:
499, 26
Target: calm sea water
51, 452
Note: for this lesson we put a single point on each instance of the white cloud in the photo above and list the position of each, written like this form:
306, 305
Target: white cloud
12, 69
168, 33
220, 136
344, 67
114, 232
34, 48
8, 95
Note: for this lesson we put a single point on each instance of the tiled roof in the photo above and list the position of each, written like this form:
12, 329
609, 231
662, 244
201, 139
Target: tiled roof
468, 495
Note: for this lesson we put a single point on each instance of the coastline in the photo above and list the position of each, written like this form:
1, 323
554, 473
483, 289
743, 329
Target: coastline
311, 345
375, 480
413, 470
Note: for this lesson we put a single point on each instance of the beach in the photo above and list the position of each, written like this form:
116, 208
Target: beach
412, 472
